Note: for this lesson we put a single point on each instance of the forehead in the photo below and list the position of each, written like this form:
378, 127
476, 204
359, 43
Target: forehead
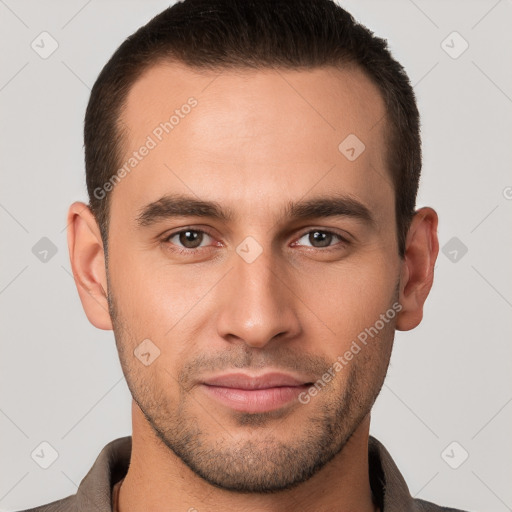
238, 135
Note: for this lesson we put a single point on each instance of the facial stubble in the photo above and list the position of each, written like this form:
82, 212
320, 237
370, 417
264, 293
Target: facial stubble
254, 453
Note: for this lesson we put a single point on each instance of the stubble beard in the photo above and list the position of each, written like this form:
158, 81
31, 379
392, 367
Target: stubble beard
261, 461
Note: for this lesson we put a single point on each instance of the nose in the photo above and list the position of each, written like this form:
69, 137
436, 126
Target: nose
257, 302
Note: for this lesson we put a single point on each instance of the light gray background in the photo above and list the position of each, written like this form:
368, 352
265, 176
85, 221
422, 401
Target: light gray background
449, 379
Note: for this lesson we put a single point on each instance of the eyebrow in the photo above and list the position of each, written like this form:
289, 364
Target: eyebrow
179, 205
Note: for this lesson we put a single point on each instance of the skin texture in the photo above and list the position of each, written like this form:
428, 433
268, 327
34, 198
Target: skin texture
255, 141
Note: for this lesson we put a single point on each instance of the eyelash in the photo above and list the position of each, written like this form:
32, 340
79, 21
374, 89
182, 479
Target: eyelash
166, 240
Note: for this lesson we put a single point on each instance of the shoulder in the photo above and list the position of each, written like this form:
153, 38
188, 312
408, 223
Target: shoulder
63, 505
427, 506
95, 490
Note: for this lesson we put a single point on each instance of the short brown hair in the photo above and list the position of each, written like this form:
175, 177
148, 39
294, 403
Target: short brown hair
284, 34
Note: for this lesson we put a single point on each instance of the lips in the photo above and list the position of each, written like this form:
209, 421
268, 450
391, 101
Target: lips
244, 381
255, 393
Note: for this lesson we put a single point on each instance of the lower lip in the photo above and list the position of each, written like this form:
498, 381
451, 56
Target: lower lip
255, 400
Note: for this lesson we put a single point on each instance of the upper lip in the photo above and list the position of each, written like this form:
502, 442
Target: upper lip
245, 381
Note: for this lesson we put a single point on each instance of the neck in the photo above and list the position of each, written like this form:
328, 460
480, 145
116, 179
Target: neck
158, 480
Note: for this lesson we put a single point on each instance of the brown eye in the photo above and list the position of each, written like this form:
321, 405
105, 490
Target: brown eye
321, 237
187, 239
190, 239
318, 238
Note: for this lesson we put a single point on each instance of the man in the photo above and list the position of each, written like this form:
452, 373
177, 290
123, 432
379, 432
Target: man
252, 241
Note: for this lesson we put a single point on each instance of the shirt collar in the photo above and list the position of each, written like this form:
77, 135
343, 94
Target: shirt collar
387, 483
95, 490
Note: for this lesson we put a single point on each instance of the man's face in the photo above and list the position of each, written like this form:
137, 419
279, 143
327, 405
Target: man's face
291, 298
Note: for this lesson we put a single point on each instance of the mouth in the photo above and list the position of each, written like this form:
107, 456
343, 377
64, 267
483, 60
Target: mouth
253, 394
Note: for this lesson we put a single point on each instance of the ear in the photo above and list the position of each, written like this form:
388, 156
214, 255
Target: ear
417, 272
88, 264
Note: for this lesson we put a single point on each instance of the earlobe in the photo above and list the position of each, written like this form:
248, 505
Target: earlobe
88, 264
417, 273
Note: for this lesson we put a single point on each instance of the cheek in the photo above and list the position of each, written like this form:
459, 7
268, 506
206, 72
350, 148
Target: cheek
350, 296
163, 303
154, 293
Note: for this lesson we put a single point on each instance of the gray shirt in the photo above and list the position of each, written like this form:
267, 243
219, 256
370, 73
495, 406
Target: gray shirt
95, 490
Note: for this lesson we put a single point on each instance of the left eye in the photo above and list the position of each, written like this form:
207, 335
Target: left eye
321, 237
